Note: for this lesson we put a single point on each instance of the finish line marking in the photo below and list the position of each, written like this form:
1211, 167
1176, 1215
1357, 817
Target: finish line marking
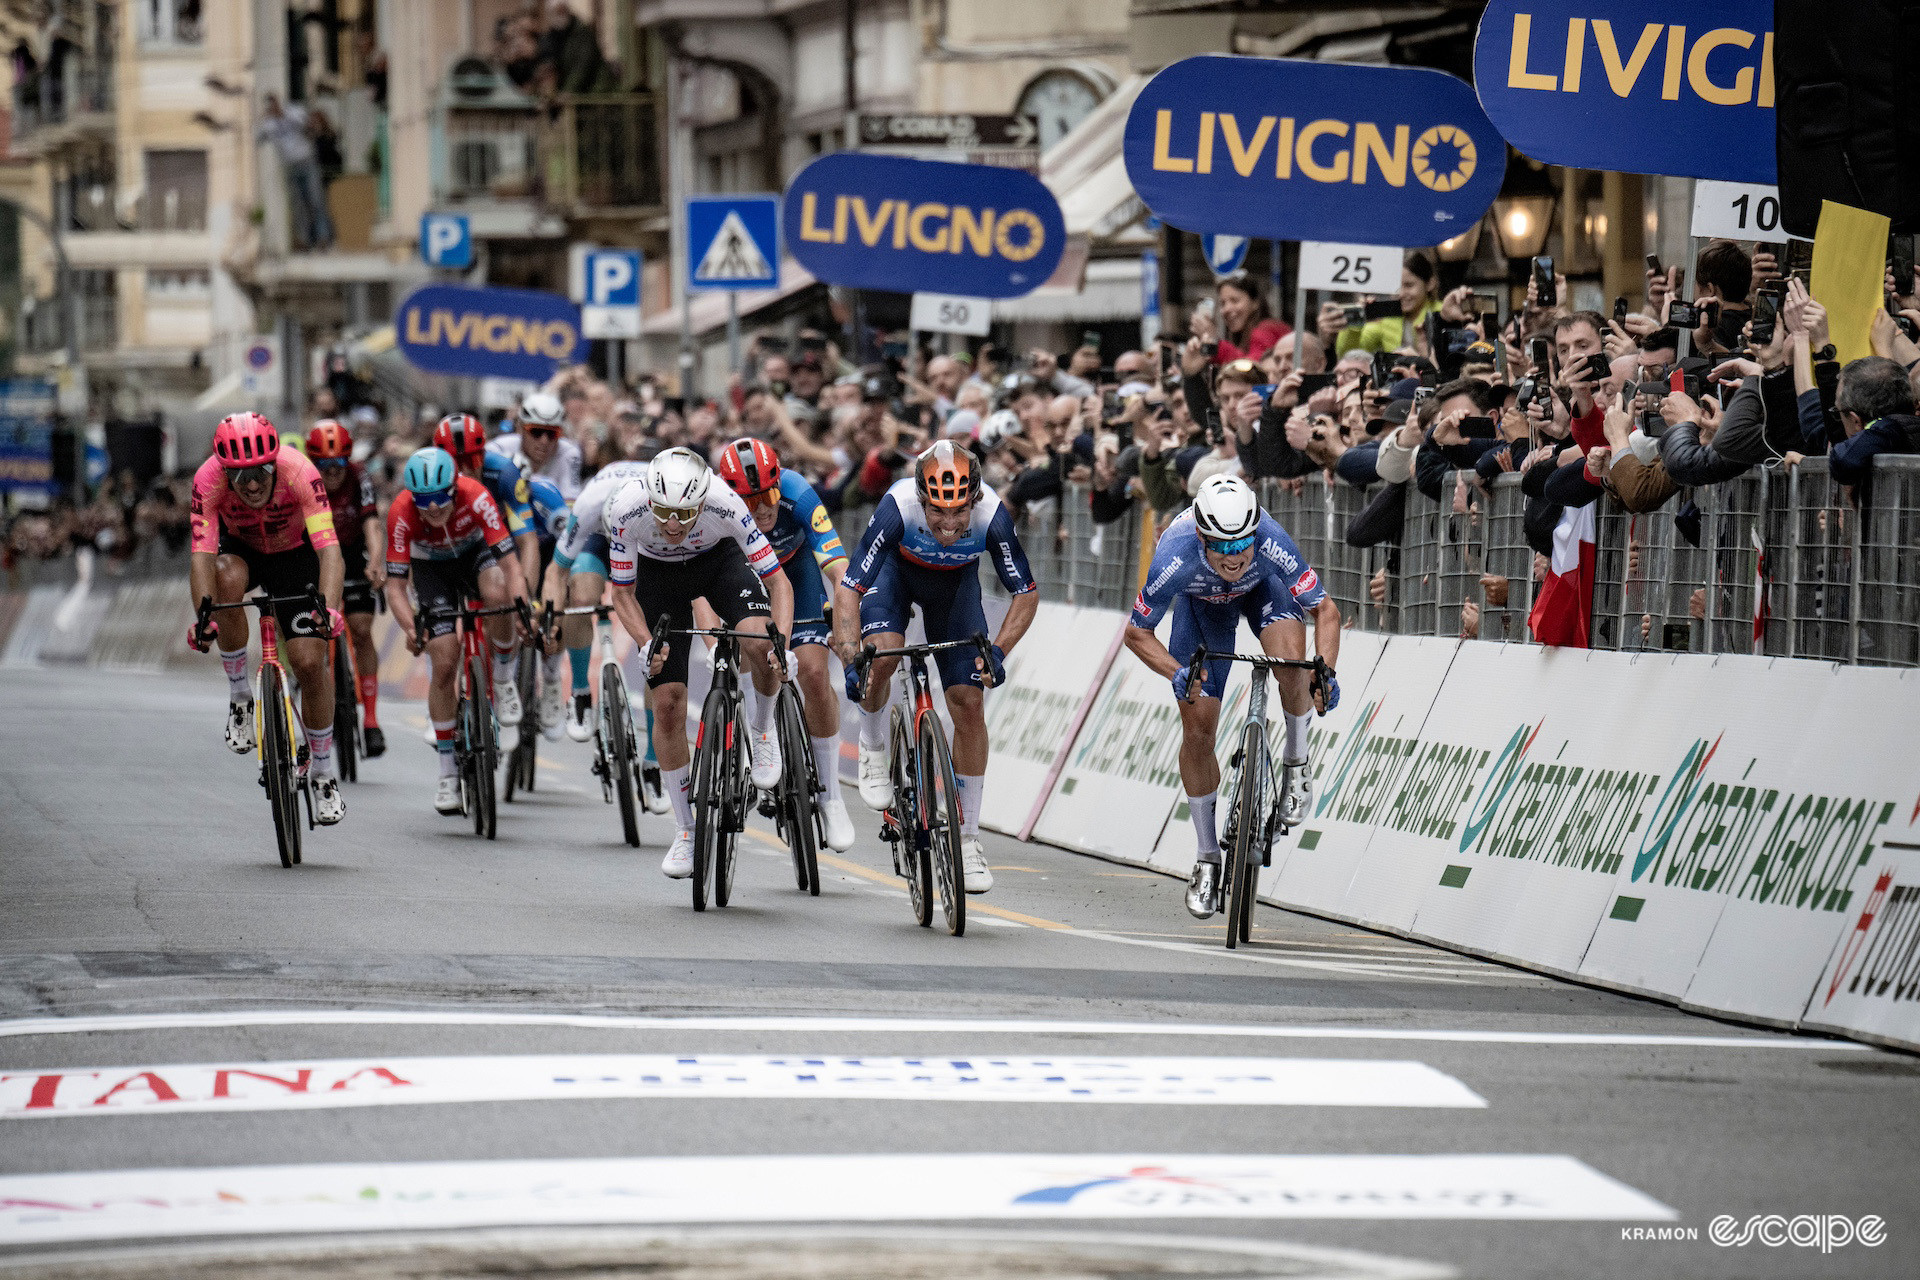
259, 1199
312, 1084
120, 1022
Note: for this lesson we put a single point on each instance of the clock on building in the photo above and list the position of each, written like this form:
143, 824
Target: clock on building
1058, 100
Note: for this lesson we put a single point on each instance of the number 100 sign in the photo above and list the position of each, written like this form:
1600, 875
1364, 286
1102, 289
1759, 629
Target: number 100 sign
1349, 268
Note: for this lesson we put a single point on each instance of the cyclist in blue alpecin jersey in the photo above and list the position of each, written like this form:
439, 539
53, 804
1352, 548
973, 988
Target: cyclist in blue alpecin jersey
788, 511
920, 548
1222, 560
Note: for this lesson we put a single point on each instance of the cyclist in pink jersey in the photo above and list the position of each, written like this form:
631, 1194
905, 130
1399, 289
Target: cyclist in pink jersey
261, 518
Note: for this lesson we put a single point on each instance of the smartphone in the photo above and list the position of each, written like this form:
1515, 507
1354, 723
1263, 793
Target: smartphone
1540, 352
1382, 309
1215, 432
1355, 316
1314, 382
773, 342
1620, 310
1900, 255
1166, 359
1766, 309
1485, 302
1266, 389
1777, 248
1686, 315
1421, 397
1545, 292
1598, 366
1477, 427
812, 342
1089, 338
1383, 368
1676, 637
1653, 263
1800, 260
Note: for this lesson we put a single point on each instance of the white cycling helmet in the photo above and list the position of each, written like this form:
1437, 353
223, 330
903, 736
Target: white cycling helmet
542, 409
1226, 510
677, 480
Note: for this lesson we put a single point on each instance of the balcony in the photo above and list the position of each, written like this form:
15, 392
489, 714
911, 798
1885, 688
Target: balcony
602, 154
51, 109
43, 321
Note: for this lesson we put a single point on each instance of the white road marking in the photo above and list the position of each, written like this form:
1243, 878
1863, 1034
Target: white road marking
42, 1208
124, 1022
1352, 968
314, 1084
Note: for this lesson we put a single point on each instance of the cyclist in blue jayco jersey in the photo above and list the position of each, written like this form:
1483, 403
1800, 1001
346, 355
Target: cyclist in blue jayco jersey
1223, 560
788, 511
547, 517
920, 548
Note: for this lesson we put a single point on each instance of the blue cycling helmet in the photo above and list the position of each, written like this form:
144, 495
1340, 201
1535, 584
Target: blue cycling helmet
429, 470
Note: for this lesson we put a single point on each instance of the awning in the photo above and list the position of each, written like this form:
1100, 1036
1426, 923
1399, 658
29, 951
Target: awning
1111, 292
709, 310
1087, 172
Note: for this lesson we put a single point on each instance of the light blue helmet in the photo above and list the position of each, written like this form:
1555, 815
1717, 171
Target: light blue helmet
429, 470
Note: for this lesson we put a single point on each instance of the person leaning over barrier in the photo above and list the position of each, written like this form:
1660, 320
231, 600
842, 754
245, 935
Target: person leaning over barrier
1876, 404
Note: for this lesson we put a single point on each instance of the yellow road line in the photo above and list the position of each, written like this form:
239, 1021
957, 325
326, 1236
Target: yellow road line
1034, 871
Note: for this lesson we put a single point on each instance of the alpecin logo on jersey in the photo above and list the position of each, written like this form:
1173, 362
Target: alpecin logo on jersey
1307, 584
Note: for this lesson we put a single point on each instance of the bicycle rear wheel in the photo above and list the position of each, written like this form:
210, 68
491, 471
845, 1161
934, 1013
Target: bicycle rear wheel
737, 798
906, 810
520, 760
484, 750
618, 713
346, 712
277, 764
709, 805
1249, 820
940, 804
800, 793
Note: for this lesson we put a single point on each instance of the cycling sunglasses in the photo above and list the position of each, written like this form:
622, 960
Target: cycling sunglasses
543, 433
433, 501
249, 477
764, 498
685, 515
1232, 547
329, 464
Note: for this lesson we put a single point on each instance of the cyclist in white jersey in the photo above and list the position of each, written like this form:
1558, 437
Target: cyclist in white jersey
700, 542
580, 561
542, 438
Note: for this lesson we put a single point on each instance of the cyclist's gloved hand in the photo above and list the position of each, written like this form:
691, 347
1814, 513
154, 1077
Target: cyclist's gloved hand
1185, 684
1333, 691
336, 624
793, 665
998, 668
197, 642
853, 683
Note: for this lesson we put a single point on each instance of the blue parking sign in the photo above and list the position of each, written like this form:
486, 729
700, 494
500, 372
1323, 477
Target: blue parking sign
446, 240
733, 242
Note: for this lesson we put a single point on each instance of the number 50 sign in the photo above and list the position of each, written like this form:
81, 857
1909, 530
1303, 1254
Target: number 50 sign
1349, 268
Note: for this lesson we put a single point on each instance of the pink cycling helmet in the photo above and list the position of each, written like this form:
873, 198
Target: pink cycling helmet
245, 440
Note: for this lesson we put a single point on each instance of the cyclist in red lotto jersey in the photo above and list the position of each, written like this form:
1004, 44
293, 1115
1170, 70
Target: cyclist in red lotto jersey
356, 522
260, 518
446, 533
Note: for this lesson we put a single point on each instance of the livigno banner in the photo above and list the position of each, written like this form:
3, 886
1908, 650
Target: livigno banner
1681, 87
1292, 150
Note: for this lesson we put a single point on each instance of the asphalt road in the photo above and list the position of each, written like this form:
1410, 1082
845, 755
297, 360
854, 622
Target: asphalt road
724, 1068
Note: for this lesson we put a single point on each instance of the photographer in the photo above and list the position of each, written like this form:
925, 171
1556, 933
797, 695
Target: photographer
1161, 436
1723, 275
1245, 329
1584, 369
1686, 447
1044, 368
1389, 333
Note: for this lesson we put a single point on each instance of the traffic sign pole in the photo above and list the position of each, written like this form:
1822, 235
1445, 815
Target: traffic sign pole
733, 331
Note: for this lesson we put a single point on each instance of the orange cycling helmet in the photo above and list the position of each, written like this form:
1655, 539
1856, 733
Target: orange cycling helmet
461, 435
750, 466
947, 476
329, 439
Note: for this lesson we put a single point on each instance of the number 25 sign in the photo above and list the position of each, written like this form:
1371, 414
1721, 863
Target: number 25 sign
1349, 268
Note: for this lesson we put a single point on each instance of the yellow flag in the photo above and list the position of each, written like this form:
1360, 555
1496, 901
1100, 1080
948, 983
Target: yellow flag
1849, 274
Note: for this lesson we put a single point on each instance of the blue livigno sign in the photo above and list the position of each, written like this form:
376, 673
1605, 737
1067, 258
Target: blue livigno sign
926, 226
503, 333
1679, 87
1283, 149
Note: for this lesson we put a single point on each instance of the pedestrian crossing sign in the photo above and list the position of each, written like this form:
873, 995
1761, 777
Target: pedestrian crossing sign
733, 242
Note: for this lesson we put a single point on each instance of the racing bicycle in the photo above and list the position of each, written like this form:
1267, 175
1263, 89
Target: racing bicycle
521, 759
925, 813
281, 746
1255, 790
476, 740
346, 709
794, 804
616, 746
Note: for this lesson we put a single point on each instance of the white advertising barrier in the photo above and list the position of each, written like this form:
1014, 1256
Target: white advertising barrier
1122, 774
1049, 674
1360, 652
1337, 866
1871, 987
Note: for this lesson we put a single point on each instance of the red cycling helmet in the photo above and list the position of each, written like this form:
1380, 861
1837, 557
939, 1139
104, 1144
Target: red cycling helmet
329, 439
245, 440
461, 435
750, 467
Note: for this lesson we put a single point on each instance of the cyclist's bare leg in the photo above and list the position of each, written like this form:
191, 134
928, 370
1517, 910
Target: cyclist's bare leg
880, 674
670, 724
969, 710
495, 593
443, 653
816, 687
366, 659
583, 589
231, 573
307, 659
1287, 639
758, 655
1199, 766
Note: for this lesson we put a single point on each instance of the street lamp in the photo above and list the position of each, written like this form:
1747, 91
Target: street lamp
1523, 221
1461, 248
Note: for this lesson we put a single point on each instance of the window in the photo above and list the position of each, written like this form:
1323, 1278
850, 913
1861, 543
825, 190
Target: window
178, 283
165, 22
176, 197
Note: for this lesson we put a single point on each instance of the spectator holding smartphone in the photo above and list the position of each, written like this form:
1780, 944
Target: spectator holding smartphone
1245, 329
1389, 333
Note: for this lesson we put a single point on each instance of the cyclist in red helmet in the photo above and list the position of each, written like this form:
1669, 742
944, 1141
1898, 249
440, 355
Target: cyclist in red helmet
788, 511
356, 522
921, 547
260, 518
461, 435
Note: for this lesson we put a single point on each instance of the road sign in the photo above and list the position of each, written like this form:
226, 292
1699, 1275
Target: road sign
951, 313
446, 240
612, 308
1011, 142
1225, 254
1350, 268
733, 242
260, 373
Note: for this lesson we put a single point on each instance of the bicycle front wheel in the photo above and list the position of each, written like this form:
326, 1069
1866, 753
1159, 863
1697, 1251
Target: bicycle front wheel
346, 712
940, 807
483, 748
737, 798
800, 792
278, 769
620, 748
907, 809
710, 765
1249, 817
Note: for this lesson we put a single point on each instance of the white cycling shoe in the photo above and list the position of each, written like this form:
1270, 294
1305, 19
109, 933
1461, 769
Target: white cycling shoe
678, 864
240, 727
973, 865
580, 718
840, 834
553, 712
1203, 889
446, 796
653, 793
876, 777
506, 703
766, 760
1298, 800
328, 805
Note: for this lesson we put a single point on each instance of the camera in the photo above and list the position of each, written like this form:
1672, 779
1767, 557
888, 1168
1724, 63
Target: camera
1690, 315
1356, 316
1477, 427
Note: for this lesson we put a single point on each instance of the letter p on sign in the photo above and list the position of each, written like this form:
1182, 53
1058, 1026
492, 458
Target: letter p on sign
446, 240
613, 278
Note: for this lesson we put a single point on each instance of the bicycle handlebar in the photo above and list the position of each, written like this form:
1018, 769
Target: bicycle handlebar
1196, 669
977, 642
519, 608
203, 616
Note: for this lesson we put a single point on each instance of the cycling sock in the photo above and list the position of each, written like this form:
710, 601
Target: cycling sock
320, 752
235, 665
503, 664
443, 740
550, 669
873, 728
972, 789
826, 763
759, 709
651, 758
370, 699
679, 788
1295, 751
582, 679
1206, 839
